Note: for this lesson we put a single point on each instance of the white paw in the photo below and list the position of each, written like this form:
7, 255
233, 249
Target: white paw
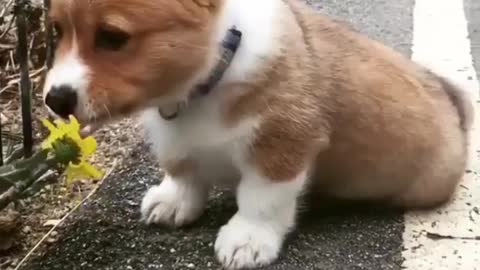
173, 203
242, 244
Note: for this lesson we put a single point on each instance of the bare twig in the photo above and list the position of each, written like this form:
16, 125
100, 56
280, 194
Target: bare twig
7, 46
9, 27
15, 78
6, 88
5, 8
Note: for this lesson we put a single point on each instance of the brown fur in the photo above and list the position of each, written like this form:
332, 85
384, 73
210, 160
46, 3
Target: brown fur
377, 125
460, 100
178, 168
370, 123
168, 44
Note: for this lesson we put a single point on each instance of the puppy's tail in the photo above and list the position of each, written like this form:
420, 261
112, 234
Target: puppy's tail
461, 100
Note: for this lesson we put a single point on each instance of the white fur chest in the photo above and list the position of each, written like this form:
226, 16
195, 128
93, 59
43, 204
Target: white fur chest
197, 133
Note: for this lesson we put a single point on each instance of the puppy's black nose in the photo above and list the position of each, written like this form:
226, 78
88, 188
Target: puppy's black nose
62, 100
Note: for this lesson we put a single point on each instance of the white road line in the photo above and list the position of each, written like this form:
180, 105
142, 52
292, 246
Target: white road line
440, 41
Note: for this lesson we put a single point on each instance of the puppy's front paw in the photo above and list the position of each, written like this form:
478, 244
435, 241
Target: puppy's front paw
242, 244
172, 203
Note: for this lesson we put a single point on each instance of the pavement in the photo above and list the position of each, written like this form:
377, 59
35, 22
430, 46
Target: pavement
448, 237
472, 13
105, 233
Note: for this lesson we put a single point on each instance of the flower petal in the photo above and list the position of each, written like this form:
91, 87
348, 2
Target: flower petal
88, 146
81, 170
74, 122
91, 171
60, 129
49, 125
55, 134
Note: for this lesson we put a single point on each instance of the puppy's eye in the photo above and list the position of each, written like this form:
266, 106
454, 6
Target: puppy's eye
112, 40
57, 31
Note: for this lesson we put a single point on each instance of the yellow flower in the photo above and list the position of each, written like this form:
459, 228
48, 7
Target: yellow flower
80, 170
87, 147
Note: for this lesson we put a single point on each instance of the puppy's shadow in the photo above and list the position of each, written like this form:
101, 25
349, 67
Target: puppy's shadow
334, 216
313, 213
313, 207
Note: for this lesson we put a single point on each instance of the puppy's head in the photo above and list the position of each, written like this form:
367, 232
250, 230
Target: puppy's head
114, 57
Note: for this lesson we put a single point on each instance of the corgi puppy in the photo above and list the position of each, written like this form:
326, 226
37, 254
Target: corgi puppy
268, 98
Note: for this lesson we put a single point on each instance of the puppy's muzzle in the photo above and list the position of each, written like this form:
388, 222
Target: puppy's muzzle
62, 100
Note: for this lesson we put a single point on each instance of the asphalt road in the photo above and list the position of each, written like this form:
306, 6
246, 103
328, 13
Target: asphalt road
106, 234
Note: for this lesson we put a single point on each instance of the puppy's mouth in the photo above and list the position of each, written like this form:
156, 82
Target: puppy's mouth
89, 129
94, 123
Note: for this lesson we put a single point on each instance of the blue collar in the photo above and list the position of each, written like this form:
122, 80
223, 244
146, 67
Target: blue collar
229, 47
